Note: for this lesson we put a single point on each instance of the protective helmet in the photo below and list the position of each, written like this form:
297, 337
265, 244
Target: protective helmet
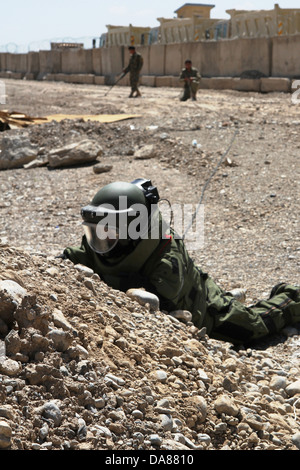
120, 215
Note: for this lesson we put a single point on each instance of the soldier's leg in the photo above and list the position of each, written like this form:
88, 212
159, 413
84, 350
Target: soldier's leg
194, 89
134, 82
132, 85
186, 94
239, 324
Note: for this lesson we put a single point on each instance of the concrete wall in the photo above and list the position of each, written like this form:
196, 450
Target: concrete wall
112, 60
49, 63
286, 56
274, 57
76, 60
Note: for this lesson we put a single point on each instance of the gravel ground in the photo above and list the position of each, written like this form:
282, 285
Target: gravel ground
216, 397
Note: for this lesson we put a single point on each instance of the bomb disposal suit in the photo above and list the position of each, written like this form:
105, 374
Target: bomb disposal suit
118, 246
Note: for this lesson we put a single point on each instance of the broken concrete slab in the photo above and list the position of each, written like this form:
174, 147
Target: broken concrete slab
16, 151
99, 80
148, 80
246, 84
76, 153
164, 81
273, 84
221, 83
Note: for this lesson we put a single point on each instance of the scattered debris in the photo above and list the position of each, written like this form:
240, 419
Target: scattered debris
10, 120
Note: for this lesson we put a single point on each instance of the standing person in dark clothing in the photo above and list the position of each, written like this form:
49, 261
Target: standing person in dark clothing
191, 79
134, 67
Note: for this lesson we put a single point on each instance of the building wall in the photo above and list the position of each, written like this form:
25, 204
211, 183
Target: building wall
285, 56
276, 57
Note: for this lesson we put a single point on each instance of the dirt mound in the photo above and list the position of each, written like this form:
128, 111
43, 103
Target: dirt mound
86, 367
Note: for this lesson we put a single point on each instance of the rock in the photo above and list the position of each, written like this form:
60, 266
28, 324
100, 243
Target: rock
60, 320
61, 339
44, 431
290, 331
84, 270
170, 350
5, 435
144, 298
145, 152
169, 444
199, 406
203, 376
278, 383
166, 422
10, 367
7, 412
296, 440
137, 414
74, 154
293, 388
183, 315
51, 411
16, 150
113, 378
224, 404
159, 375
204, 438
2, 350
101, 168
155, 440
12, 343
11, 296
36, 163
239, 294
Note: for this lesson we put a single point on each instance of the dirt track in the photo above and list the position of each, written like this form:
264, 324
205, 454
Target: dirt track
251, 204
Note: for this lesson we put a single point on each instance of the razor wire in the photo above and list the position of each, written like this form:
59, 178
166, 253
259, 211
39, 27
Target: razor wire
45, 44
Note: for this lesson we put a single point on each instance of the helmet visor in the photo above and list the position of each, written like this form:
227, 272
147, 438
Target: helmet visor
100, 237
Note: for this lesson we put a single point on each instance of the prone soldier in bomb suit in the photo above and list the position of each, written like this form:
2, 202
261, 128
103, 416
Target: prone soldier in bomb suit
161, 265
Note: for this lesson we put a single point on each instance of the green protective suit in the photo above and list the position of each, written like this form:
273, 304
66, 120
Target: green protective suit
164, 268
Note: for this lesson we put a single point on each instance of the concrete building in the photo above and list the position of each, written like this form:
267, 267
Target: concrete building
126, 35
188, 10
180, 30
193, 24
264, 23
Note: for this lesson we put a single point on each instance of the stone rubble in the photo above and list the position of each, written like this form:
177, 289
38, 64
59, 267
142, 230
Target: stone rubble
96, 369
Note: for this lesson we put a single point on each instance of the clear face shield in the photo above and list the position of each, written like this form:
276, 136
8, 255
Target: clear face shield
101, 238
105, 227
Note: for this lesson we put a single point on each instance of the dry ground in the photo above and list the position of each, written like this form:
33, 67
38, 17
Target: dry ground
251, 204
251, 207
